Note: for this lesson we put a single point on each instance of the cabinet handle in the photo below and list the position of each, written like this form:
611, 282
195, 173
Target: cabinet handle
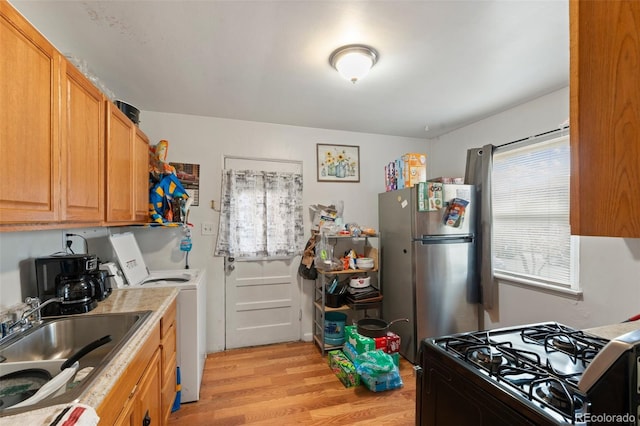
133, 391
147, 420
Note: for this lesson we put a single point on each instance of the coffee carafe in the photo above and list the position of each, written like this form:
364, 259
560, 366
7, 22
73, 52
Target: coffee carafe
77, 292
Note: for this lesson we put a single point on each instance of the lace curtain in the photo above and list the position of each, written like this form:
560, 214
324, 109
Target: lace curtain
260, 215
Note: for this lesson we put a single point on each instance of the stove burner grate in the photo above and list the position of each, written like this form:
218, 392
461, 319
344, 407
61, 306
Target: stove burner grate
486, 356
553, 393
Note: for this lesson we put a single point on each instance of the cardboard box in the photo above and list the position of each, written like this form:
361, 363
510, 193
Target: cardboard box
360, 343
343, 368
381, 343
415, 168
396, 358
391, 176
448, 180
393, 343
430, 196
399, 173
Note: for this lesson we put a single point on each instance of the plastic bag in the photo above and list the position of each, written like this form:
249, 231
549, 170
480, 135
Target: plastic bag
307, 268
374, 363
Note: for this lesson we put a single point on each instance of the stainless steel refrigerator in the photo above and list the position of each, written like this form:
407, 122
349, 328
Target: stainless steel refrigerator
428, 268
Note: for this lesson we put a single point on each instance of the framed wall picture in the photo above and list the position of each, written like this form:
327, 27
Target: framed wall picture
338, 163
189, 176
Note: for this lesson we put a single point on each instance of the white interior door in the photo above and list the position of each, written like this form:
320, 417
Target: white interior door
262, 303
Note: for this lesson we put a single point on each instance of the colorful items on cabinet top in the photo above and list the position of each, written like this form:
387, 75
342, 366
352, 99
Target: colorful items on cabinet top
406, 171
409, 170
169, 202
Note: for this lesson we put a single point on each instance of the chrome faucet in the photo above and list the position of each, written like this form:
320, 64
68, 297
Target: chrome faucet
24, 322
36, 306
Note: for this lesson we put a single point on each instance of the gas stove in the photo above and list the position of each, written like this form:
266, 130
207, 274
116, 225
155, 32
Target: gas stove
522, 375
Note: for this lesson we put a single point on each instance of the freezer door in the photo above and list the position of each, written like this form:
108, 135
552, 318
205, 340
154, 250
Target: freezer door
447, 293
432, 223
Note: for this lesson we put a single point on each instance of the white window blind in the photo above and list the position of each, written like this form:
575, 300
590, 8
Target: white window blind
530, 195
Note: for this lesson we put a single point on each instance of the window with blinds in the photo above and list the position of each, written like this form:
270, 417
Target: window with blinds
532, 240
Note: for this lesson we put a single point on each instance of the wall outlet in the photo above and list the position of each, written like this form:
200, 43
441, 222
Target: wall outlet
207, 228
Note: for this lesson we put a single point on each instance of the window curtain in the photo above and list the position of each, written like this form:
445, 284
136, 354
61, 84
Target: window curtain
260, 215
478, 173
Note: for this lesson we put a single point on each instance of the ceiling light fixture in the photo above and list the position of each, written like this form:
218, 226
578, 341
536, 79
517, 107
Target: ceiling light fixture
353, 61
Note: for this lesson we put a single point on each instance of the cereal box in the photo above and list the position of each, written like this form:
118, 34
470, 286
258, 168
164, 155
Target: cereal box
415, 168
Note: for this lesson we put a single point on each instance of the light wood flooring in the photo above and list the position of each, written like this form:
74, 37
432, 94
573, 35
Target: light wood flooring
291, 384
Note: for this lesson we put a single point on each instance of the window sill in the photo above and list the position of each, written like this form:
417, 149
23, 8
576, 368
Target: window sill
538, 286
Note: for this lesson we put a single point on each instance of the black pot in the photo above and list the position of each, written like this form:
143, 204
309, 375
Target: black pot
130, 111
374, 327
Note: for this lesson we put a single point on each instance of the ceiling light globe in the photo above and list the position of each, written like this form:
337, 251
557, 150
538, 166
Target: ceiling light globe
353, 62
354, 66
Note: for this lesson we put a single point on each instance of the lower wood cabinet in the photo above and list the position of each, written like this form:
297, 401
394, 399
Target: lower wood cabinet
168, 361
146, 389
148, 411
142, 408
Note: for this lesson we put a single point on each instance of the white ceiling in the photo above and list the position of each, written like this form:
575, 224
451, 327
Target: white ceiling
443, 64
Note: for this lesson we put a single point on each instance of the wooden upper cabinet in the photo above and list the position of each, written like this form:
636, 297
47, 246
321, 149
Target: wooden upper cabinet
120, 165
605, 118
29, 111
127, 170
83, 141
141, 176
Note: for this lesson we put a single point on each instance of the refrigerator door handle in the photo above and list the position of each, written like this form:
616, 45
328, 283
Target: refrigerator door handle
438, 239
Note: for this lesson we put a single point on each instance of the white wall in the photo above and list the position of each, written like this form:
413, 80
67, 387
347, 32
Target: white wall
204, 141
609, 267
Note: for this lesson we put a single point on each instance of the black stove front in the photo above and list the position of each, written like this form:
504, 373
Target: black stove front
512, 376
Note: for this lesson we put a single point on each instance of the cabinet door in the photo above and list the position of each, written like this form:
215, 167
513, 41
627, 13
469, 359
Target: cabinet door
605, 117
168, 365
83, 148
119, 166
127, 416
148, 411
141, 172
29, 113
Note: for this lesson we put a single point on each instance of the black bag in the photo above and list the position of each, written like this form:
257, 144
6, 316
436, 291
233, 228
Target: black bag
307, 268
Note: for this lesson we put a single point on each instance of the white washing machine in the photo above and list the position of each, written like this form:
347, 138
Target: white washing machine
191, 308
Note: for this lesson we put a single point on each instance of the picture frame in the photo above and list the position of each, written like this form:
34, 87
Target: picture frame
338, 163
189, 176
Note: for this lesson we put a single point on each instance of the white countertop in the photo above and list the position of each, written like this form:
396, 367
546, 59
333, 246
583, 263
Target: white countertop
614, 330
157, 300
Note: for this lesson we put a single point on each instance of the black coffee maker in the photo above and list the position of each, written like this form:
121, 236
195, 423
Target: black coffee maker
101, 284
70, 277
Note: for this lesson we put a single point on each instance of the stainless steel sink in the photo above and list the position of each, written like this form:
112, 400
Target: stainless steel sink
59, 338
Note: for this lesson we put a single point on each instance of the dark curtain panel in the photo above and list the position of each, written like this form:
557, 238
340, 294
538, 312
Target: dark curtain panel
478, 173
